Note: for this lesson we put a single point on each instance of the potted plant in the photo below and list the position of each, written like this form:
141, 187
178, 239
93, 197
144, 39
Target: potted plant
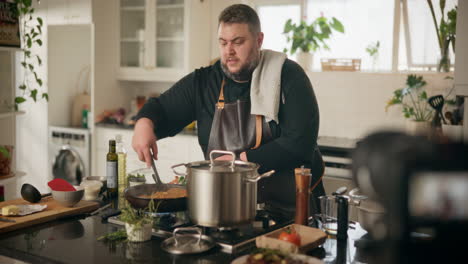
373, 51
309, 38
413, 99
446, 30
138, 222
5, 160
30, 35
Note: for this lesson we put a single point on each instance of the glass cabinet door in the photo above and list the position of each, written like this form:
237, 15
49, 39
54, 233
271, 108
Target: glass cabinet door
170, 33
132, 33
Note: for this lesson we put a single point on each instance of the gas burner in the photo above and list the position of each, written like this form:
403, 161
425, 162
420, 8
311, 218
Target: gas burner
231, 240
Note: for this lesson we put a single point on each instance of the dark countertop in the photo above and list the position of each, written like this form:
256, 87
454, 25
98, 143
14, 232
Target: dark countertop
74, 240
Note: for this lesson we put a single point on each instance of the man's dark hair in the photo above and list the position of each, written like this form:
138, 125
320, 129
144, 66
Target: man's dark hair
243, 14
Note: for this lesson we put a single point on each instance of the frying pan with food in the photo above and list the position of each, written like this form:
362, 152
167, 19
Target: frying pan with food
135, 195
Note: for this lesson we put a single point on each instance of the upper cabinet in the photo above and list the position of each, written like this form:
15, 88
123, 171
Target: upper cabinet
162, 40
61, 12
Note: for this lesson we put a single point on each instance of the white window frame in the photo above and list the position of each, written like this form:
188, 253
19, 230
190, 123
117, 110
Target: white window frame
400, 13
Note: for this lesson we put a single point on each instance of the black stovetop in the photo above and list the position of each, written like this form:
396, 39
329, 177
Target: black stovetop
231, 240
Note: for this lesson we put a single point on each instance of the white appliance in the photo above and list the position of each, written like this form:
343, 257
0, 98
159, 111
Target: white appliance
69, 153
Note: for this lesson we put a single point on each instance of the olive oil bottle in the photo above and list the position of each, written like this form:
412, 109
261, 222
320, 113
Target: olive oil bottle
111, 169
121, 165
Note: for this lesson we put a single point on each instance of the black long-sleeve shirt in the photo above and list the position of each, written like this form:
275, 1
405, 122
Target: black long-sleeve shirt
294, 139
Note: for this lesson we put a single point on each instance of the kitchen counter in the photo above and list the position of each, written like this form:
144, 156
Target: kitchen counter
74, 240
128, 127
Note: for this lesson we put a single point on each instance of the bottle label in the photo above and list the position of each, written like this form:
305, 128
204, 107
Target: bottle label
111, 172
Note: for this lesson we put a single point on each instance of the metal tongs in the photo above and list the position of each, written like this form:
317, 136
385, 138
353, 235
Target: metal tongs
160, 186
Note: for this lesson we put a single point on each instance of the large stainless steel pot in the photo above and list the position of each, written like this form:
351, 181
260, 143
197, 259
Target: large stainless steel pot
221, 193
370, 213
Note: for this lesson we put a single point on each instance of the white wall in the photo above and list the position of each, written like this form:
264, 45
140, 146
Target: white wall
31, 128
352, 104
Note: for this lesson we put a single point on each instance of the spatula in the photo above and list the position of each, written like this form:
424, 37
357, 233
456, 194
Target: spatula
437, 102
160, 185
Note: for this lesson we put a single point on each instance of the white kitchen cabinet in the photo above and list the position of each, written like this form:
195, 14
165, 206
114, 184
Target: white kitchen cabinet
68, 12
162, 40
8, 120
172, 150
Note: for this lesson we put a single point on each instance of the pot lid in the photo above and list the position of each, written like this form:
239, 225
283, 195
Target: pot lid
232, 165
190, 242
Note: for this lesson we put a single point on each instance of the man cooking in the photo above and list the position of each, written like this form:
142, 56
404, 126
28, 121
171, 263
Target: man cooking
256, 103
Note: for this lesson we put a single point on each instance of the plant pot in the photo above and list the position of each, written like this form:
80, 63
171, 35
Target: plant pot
454, 133
6, 160
306, 60
418, 128
139, 233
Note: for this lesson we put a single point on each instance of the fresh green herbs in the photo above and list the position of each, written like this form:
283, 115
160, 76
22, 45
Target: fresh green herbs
138, 217
413, 98
118, 235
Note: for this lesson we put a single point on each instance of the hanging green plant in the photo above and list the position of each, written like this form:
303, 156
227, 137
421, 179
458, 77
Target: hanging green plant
30, 35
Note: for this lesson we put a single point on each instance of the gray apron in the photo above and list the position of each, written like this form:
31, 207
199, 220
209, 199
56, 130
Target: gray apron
235, 129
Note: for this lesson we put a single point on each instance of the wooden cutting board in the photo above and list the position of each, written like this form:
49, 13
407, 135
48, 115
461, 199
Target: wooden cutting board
310, 238
53, 211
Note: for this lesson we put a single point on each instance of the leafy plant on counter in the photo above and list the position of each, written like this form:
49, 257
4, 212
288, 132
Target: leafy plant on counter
413, 98
310, 37
138, 217
30, 34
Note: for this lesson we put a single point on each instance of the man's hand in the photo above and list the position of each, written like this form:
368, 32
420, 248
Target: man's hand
144, 139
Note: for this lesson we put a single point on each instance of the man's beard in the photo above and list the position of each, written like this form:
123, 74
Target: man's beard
245, 73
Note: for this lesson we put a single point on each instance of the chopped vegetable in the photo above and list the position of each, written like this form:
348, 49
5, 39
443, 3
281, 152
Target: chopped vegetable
290, 236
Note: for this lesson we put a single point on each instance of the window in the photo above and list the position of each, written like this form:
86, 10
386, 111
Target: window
273, 16
420, 48
413, 46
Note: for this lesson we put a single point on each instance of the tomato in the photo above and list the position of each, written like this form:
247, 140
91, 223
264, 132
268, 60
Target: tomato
290, 237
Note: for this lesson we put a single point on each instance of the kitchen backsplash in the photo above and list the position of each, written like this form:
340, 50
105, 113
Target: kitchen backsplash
353, 104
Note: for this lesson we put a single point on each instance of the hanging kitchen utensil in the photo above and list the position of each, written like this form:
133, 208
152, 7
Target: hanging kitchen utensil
437, 102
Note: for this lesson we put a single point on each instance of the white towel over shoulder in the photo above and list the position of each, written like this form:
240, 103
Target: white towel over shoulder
265, 88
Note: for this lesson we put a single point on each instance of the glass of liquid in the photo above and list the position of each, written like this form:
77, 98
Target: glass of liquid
329, 217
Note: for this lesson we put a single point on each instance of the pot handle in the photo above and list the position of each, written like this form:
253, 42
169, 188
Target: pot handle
176, 172
182, 229
257, 178
222, 152
356, 197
